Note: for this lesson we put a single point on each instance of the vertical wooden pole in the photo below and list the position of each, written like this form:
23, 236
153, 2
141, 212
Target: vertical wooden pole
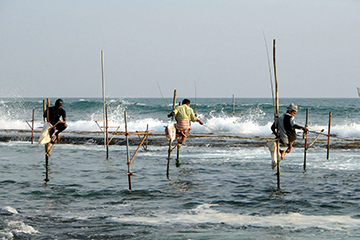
44, 118
147, 137
170, 141
104, 103
306, 137
233, 105
106, 134
127, 151
47, 146
178, 155
328, 142
32, 126
276, 115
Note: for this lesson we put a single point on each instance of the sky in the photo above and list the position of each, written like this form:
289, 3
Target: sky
202, 48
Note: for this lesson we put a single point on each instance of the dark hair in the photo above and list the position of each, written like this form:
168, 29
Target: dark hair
59, 102
186, 101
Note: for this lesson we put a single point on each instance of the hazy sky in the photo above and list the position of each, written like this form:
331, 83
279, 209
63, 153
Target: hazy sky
53, 48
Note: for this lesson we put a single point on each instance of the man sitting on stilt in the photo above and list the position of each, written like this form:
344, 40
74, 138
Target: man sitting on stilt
183, 115
54, 113
287, 126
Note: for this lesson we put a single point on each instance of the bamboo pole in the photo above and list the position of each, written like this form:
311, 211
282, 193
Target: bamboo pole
315, 139
32, 126
306, 137
106, 134
47, 146
178, 155
170, 141
276, 115
328, 142
127, 151
136, 151
104, 103
147, 137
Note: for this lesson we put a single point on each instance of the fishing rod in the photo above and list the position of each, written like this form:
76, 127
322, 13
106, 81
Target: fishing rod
331, 135
162, 97
270, 72
196, 112
210, 128
195, 98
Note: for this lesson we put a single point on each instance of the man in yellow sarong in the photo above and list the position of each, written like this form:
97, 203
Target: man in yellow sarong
183, 115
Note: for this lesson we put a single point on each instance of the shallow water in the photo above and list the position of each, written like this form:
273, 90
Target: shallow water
223, 189
216, 193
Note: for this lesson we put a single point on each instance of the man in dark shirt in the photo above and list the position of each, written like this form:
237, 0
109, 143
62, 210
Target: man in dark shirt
287, 128
53, 114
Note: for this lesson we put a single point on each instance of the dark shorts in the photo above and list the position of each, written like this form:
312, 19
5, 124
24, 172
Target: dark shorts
61, 127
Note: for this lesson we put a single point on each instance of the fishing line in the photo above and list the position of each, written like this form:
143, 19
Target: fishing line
270, 72
210, 128
195, 98
162, 97
331, 135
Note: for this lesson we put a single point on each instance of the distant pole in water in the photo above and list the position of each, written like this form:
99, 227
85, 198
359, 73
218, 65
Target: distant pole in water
276, 114
233, 105
127, 151
306, 137
147, 137
328, 142
195, 99
32, 126
106, 133
104, 105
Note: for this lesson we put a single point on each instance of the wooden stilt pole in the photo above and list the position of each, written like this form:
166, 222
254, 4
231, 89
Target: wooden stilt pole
178, 155
328, 142
147, 137
127, 151
315, 139
106, 134
32, 126
276, 115
47, 146
306, 137
104, 105
170, 141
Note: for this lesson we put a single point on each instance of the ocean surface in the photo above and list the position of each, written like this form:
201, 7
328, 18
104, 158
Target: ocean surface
223, 189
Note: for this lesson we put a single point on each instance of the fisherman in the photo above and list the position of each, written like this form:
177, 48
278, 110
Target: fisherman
53, 114
183, 115
286, 128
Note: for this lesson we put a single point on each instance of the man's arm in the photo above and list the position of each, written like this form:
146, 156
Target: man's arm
273, 128
171, 114
300, 127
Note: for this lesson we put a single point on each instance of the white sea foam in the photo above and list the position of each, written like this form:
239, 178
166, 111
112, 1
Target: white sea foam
21, 227
253, 123
11, 210
207, 214
12, 228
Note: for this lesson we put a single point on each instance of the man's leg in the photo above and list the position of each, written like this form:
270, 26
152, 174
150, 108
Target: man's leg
284, 152
60, 127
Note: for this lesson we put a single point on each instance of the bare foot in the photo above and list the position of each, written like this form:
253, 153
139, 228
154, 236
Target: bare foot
282, 154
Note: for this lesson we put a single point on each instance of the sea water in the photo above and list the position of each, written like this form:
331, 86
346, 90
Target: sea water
222, 192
